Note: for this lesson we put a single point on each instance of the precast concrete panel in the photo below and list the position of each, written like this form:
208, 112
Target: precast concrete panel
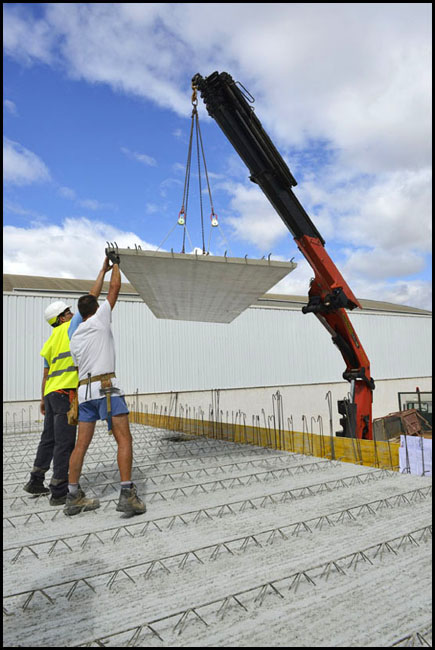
199, 287
262, 347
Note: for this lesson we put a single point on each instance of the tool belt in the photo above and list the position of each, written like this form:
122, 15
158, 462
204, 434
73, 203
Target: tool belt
104, 377
106, 386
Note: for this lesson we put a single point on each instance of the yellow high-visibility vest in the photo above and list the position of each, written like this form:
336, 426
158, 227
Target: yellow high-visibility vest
62, 372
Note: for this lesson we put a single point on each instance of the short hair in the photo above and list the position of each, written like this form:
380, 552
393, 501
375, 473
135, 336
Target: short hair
87, 305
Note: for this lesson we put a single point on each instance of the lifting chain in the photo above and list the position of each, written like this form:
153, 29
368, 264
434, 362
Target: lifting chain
182, 216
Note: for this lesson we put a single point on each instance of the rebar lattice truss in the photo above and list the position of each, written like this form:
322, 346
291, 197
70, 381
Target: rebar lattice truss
174, 623
232, 507
232, 546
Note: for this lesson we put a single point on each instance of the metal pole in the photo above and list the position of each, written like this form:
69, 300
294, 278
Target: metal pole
419, 398
375, 447
328, 397
292, 433
408, 465
304, 421
322, 441
422, 455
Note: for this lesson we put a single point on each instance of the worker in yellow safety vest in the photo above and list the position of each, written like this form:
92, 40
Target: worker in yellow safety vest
59, 388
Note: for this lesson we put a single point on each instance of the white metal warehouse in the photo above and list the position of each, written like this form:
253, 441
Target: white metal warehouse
270, 347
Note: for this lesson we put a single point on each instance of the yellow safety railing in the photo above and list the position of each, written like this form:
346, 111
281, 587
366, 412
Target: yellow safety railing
383, 454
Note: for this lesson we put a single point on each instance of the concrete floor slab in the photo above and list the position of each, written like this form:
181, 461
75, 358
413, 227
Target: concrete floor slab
241, 546
199, 287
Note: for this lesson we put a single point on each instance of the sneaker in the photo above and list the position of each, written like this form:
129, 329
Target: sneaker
129, 502
57, 501
76, 503
33, 487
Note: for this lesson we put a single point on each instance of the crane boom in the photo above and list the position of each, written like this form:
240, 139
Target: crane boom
329, 295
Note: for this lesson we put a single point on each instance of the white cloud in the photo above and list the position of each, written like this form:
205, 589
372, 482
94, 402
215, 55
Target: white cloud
88, 239
152, 208
140, 157
27, 40
67, 193
21, 166
392, 211
111, 44
377, 263
93, 204
16, 208
179, 168
170, 185
355, 74
365, 285
253, 219
417, 294
88, 204
10, 106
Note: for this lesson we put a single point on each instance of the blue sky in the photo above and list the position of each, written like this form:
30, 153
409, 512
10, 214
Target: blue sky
97, 116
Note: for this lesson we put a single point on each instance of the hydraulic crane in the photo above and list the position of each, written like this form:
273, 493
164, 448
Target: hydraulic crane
329, 295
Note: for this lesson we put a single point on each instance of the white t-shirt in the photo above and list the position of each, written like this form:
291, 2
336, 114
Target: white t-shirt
93, 350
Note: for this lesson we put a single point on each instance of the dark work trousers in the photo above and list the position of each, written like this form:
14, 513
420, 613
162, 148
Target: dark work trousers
57, 442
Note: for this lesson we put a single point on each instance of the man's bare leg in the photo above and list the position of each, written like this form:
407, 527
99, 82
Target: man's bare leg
84, 437
121, 432
129, 502
76, 501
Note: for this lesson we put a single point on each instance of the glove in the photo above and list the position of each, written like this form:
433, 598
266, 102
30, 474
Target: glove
113, 257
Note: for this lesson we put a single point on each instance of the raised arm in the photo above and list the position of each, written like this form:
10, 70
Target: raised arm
115, 285
98, 284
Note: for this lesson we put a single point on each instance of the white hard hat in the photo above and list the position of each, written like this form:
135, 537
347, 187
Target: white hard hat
53, 311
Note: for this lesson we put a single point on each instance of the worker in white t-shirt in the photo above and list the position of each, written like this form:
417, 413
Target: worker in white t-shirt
100, 397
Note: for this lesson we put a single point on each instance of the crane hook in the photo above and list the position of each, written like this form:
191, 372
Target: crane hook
194, 97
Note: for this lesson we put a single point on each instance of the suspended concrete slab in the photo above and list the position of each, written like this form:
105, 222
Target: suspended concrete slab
195, 287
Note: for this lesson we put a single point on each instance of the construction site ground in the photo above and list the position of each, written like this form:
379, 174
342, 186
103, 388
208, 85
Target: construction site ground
240, 546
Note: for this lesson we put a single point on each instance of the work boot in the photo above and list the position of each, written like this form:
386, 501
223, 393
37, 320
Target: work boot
57, 501
36, 487
76, 503
129, 502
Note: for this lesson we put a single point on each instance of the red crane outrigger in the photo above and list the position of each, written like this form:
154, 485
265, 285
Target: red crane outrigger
329, 295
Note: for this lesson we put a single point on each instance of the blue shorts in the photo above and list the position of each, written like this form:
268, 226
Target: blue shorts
96, 409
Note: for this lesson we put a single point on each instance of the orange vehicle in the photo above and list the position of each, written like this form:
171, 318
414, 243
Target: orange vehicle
329, 295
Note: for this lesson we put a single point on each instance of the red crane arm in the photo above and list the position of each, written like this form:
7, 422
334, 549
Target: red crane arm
329, 295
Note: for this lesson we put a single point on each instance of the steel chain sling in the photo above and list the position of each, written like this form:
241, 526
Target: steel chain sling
182, 216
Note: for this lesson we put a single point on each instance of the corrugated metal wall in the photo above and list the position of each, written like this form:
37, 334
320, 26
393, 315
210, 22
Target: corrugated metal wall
262, 347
